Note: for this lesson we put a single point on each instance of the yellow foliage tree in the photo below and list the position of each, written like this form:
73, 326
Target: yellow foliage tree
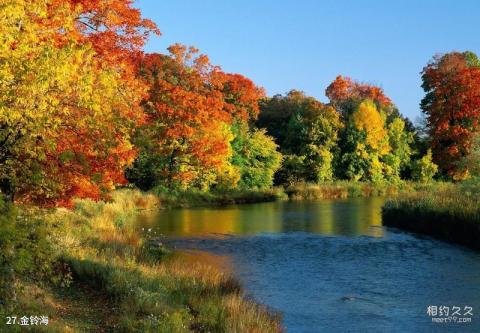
366, 143
367, 118
65, 115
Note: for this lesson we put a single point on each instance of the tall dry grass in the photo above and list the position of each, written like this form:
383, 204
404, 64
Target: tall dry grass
449, 212
153, 290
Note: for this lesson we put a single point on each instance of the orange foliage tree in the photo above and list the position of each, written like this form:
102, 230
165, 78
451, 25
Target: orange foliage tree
189, 110
344, 89
185, 116
240, 95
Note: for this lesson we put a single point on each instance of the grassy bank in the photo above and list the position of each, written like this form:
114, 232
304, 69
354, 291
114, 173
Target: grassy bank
132, 280
451, 213
192, 198
350, 189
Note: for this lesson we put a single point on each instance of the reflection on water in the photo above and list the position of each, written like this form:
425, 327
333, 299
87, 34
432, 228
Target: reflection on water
329, 217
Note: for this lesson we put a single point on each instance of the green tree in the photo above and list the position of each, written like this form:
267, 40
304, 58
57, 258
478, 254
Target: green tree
424, 169
313, 133
306, 131
400, 140
275, 114
256, 157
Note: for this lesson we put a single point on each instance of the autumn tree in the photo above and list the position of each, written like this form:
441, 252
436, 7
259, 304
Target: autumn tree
240, 95
185, 131
365, 143
255, 158
452, 107
66, 113
345, 94
369, 115
191, 108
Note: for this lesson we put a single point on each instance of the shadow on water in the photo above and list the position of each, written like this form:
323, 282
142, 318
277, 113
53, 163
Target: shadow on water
330, 266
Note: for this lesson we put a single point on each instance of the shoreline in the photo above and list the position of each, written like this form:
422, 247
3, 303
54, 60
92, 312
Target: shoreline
106, 260
147, 286
455, 220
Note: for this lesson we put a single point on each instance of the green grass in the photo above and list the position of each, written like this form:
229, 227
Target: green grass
192, 198
135, 283
450, 212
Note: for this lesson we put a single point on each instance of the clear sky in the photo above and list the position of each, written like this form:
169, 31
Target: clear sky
305, 44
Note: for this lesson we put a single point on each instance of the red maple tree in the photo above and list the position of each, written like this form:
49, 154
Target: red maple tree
452, 107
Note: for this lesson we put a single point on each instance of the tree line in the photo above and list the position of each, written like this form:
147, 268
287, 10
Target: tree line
83, 109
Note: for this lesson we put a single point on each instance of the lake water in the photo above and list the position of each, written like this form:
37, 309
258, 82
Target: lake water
330, 266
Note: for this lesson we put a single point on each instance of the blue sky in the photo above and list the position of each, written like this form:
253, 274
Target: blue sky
305, 44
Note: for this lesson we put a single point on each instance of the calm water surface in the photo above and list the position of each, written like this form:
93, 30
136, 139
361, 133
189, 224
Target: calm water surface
330, 266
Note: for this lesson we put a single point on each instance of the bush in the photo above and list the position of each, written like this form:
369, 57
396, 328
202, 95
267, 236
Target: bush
9, 260
292, 172
423, 170
27, 251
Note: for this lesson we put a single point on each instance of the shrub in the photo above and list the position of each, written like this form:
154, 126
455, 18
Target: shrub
26, 250
424, 169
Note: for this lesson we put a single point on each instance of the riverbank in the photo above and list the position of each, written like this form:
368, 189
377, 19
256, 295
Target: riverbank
106, 263
191, 198
350, 189
105, 275
451, 214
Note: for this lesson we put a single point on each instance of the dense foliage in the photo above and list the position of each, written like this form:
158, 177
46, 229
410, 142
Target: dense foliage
68, 97
452, 108
27, 251
84, 110
81, 106
306, 131
359, 135
197, 131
